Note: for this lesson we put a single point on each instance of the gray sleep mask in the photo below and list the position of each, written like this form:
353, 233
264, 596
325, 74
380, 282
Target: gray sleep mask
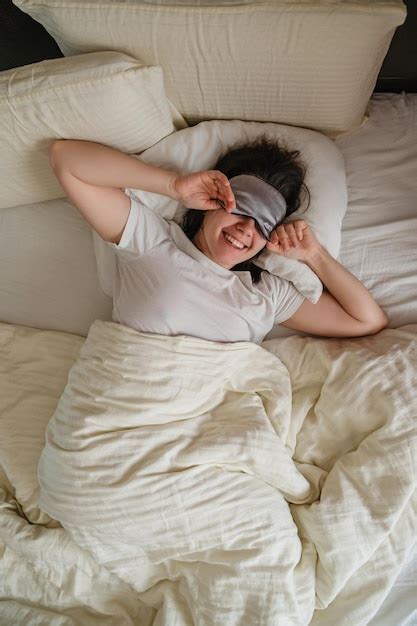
258, 199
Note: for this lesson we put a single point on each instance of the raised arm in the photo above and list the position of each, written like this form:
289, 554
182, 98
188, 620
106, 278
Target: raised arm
348, 310
93, 176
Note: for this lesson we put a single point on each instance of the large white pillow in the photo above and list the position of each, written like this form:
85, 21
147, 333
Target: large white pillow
107, 97
199, 147
48, 271
311, 64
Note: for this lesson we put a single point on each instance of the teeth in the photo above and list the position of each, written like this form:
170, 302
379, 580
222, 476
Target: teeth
235, 243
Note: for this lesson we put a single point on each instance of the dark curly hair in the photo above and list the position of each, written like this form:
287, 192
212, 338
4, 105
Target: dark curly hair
269, 160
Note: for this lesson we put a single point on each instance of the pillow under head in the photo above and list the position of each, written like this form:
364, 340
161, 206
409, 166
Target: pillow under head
199, 147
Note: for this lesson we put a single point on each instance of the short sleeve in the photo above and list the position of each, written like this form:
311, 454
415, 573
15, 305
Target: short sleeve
288, 299
144, 230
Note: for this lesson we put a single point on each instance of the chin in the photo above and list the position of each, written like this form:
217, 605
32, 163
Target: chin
230, 257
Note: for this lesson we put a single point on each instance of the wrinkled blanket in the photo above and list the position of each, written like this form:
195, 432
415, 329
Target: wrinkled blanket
191, 469
229, 484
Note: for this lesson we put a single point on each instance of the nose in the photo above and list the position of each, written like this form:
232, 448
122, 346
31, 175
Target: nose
246, 225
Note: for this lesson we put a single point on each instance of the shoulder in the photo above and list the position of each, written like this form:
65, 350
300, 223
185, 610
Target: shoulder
143, 231
286, 297
273, 283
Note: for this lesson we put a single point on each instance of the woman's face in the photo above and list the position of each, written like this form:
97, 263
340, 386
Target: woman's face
228, 239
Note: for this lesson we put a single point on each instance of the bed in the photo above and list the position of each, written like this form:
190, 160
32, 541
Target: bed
286, 495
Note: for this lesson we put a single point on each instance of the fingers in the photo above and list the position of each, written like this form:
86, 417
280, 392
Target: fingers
275, 247
299, 227
212, 204
225, 196
288, 235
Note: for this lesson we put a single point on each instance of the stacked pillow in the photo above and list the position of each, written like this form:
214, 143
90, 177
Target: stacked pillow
312, 64
107, 97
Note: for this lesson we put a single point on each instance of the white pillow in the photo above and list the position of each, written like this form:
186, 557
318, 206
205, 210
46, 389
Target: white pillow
48, 271
106, 97
199, 147
310, 64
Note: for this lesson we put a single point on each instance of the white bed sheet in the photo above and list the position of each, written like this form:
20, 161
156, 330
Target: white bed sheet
379, 246
379, 232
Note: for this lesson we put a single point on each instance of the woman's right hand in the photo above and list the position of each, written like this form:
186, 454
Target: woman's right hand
206, 190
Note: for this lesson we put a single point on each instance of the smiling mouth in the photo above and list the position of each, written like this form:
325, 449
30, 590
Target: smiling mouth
233, 242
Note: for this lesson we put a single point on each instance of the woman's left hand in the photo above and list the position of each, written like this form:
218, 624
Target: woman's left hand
206, 190
294, 240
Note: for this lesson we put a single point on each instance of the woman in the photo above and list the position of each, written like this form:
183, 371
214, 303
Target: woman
201, 282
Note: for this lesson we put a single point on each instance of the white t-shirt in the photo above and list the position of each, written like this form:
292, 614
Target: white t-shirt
164, 284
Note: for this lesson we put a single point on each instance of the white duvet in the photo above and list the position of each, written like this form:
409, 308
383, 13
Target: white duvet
220, 484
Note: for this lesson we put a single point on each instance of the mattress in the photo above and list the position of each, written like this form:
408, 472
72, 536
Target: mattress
379, 237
